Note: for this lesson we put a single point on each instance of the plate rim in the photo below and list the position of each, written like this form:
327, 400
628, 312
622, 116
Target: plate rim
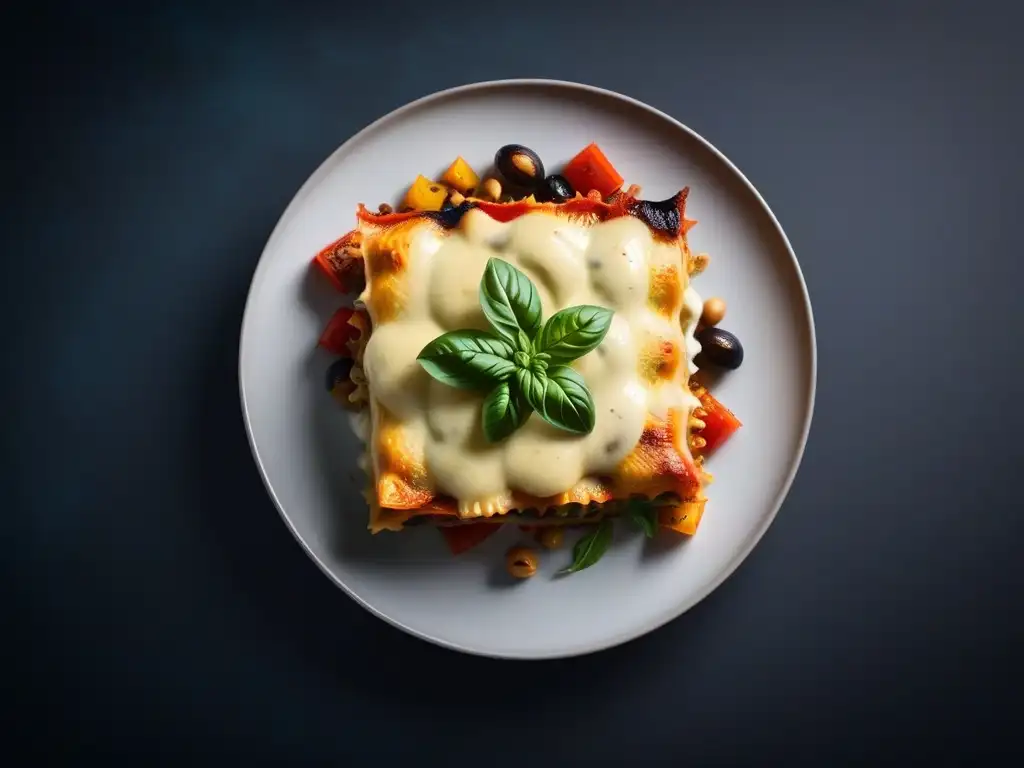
752, 541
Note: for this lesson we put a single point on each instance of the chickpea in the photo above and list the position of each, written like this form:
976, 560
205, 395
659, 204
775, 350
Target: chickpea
551, 536
714, 311
490, 190
521, 562
456, 198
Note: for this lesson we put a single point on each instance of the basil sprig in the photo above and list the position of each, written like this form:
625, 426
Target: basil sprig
523, 364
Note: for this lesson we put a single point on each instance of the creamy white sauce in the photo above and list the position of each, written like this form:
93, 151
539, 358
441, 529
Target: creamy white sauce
359, 423
608, 264
693, 305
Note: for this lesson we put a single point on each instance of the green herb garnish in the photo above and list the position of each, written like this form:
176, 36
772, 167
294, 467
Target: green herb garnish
523, 364
644, 514
591, 547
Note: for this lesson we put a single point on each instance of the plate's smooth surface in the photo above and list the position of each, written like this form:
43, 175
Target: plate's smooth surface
307, 453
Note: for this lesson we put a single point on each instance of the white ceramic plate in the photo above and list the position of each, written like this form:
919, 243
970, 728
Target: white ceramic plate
307, 454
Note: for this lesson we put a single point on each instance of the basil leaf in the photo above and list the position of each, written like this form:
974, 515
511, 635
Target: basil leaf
504, 412
509, 301
590, 548
645, 515
532, 385
523, 343
467, 359
573, 332
560, 397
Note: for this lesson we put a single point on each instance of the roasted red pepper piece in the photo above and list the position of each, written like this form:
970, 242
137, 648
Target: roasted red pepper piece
341, 263
339, 332
590, 169
719, 423
461, 538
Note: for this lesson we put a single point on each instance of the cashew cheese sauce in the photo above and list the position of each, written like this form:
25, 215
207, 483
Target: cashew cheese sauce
608, 264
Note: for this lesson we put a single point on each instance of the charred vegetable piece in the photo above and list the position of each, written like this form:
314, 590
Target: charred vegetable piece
590, 169
663, 215
555, 189
450, 214
520, 166
460, 175
425, 195
718, 347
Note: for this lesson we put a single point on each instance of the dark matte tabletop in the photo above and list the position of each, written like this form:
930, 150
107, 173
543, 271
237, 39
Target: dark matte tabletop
160, 606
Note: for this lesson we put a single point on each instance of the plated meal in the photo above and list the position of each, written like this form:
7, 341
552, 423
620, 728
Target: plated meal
458, 447
522, 350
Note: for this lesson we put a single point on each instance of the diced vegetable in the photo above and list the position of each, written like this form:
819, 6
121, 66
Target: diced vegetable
341, 263
719, 423
590, 169
425, 195
683, 518
461, 538
339, 332
460, 176
323, 264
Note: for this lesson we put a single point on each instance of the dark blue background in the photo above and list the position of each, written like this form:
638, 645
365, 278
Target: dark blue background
157, 605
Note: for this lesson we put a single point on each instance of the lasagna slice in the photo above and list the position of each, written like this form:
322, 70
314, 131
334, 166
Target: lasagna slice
427, 457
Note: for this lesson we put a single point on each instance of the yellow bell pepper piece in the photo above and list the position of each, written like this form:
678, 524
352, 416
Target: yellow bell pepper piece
683, 518
460, 176
425, 195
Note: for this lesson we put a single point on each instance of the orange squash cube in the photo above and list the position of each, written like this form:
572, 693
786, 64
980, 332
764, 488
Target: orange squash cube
425, 195
460, 176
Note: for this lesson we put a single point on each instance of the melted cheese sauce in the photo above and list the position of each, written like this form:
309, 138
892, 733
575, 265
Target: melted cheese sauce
607, 264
